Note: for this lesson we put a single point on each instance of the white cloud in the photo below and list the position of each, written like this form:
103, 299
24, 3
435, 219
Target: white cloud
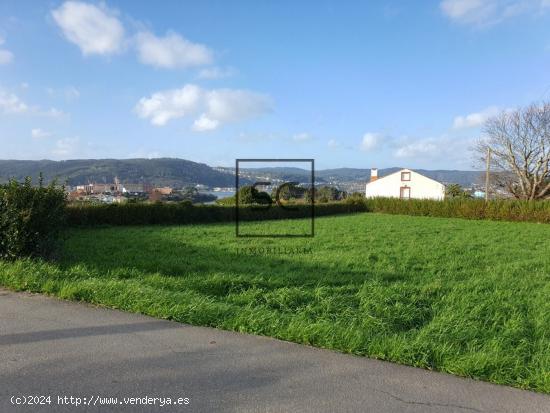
370, 141
214, 107
95, 30
5, 57
416, 149
143, 153
52, 112
217, 72
476, 119
468, 11
443, 150
10, 103
302, 137
487, 12
171, 51
65, 147
38, 133
232, 105
204, 123
170, 104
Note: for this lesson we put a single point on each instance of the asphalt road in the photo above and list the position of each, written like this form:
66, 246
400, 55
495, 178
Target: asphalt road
62, 349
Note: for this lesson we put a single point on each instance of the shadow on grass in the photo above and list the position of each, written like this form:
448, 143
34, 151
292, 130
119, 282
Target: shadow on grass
154, 252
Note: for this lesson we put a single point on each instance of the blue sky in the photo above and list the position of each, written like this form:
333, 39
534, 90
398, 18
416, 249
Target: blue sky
351, 84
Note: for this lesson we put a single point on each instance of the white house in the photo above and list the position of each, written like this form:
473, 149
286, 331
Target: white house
404, 184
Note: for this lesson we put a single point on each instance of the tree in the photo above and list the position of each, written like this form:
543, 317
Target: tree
519, 144
456, 191
246, 195
329, 193
249, 195
291, 191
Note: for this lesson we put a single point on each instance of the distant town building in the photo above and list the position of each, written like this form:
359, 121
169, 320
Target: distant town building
165, 190
134, 188
404, 184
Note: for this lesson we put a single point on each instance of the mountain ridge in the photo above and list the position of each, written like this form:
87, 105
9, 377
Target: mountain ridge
177, 172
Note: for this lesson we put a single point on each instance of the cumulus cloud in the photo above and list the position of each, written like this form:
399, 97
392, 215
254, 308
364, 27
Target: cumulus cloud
38, 133
171, 51
98, 30
476, 119
94, 29
10, 103
204, 123
370, 141
217, 72
213, 107
486, 12
163, 106
441, 150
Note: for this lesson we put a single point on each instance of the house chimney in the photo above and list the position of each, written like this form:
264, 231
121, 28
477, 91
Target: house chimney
373, 174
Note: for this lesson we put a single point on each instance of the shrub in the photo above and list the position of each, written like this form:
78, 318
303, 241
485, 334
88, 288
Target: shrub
31, 219
499, 209
185, 213
226, 201
163, 213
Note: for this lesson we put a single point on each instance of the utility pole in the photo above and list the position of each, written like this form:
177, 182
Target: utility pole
487, 174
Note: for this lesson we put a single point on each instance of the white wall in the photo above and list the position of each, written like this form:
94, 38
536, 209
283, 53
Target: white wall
421, 187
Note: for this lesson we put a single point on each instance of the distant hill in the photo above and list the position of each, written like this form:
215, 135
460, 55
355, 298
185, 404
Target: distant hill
159, 172
180, 172
463, 178
339, 175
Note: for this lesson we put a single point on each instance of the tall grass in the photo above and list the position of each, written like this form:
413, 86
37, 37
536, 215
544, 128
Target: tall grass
465, 297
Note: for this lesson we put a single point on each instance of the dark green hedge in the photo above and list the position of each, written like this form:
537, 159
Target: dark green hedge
500, 210
31, 219
183, 213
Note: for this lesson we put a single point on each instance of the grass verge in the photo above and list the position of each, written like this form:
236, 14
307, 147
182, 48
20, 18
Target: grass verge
469, 298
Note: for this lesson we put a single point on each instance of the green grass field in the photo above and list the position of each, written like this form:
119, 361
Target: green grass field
470, 298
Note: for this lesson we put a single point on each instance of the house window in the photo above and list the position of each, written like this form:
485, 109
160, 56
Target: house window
405, 192
405, 176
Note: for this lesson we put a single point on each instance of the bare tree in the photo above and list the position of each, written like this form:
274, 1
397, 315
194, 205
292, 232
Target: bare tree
519, 142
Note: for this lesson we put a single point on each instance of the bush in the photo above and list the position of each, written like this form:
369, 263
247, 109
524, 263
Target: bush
499, 210
185, 213
31, 219
163, 213
226, 201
